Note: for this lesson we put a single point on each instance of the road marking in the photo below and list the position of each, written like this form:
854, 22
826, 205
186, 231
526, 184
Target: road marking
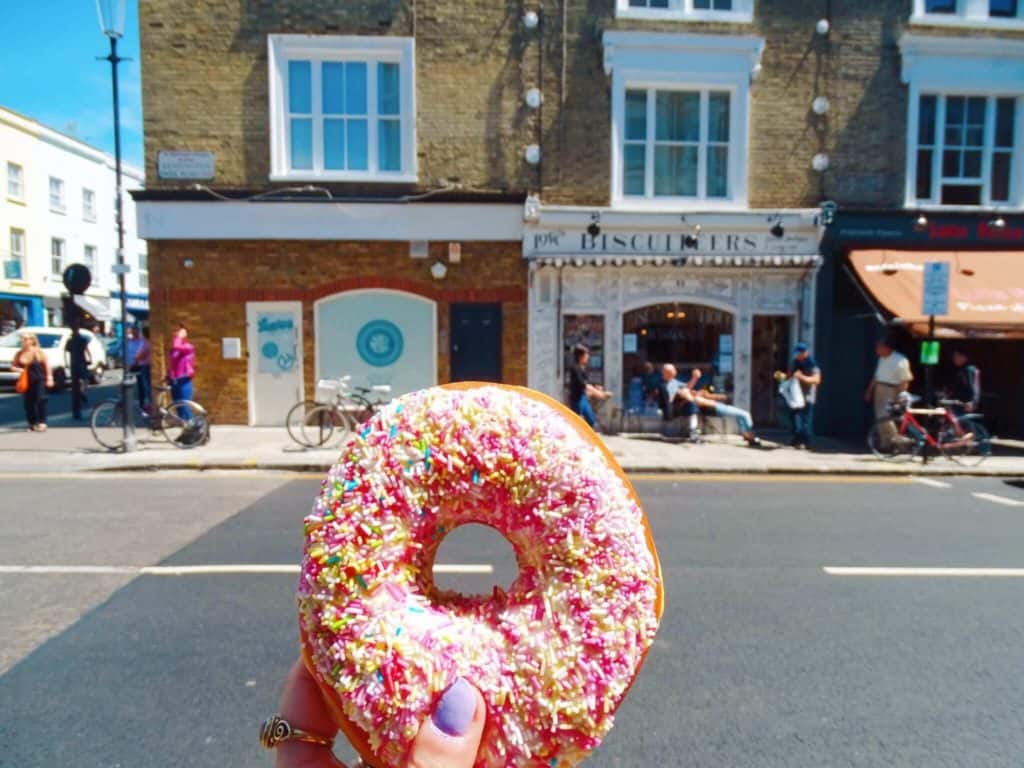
932, 483
890, 571
998, 499
205, 570
765, 477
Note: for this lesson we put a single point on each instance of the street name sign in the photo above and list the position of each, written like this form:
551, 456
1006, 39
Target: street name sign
935, 298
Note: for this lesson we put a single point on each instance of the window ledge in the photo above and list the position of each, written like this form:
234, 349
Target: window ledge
89, 219
16, 200
61, 211
952, 20
669, 14
677, 204
372, 178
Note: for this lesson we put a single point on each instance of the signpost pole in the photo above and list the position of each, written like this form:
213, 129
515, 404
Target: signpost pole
929, 383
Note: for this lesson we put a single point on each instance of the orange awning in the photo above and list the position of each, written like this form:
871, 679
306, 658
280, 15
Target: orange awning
986, 290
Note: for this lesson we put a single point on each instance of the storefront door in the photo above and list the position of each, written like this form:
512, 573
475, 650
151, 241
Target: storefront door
771, 353
274, 341
475, 342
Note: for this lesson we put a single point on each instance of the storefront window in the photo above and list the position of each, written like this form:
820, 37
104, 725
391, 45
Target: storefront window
687, 335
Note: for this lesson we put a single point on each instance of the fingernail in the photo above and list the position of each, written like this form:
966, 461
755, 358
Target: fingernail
454, 712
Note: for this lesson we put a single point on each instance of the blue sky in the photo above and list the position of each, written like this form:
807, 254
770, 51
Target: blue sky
49, 72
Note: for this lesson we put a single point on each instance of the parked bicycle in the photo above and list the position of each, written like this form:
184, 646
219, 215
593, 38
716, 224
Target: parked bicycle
183, 423
910, 433
312, 423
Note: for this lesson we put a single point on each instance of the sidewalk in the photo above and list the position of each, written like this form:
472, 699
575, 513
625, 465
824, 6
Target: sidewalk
72, 449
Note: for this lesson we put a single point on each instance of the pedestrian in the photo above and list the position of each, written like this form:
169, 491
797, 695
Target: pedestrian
181, 367
710, 401
32, 359
966, 384
142, 367
675, 399
650, 383
580, 390
805, 370
79, 359
892, 376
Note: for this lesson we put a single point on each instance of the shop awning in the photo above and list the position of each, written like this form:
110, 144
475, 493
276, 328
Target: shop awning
986, 290
99, 310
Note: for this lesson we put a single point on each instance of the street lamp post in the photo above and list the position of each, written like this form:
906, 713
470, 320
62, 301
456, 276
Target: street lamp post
111, 14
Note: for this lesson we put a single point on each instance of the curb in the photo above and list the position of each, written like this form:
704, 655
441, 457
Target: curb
322, 467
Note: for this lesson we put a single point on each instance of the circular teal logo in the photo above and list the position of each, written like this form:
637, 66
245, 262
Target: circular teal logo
379, 343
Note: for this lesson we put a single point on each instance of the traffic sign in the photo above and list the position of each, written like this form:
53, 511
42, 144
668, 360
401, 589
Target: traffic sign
77, 279
935, 299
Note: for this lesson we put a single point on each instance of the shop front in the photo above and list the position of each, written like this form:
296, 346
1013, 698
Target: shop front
874, 285
407, 295
17, 310
726, 293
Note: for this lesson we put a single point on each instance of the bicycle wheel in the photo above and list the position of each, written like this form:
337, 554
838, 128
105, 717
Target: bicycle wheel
886, 443
185, 424
107, 424
969, 452
296, 418
321, 424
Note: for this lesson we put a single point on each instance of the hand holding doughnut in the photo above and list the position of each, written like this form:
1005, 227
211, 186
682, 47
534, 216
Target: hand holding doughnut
554, 656
450, 739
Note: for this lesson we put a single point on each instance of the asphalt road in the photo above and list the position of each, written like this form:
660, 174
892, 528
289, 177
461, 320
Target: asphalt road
763, 659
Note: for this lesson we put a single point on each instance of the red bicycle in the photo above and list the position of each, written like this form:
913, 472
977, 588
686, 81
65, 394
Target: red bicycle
909, 432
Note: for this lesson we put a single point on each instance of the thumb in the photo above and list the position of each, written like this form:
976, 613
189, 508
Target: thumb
450, 737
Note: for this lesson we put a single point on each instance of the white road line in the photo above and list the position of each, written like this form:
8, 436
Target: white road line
932, 483
203, 570
998, 499
890, 571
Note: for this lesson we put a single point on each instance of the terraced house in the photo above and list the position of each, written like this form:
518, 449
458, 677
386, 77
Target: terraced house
417, 192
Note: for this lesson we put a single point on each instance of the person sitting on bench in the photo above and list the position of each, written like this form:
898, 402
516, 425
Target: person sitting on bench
715, 403
676, 399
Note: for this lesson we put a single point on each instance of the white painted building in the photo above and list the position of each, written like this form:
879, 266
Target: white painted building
57, 207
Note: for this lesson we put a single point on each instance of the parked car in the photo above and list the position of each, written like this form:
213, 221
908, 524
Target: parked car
54, 342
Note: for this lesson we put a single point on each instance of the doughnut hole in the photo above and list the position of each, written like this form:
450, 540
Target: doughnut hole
476, 544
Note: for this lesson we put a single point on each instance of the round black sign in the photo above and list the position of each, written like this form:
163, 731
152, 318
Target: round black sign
77, 279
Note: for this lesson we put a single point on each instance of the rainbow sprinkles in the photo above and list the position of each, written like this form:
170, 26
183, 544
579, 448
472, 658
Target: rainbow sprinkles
555, 654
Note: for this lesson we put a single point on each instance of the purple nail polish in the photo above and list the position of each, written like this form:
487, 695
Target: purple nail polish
454, 712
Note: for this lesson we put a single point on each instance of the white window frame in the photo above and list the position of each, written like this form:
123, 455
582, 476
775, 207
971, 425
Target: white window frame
969, 13
19, 196
61, 205
90, 262
88, 210
339, 48
682, 10
690, 62
63, 248
961, 66
19, 254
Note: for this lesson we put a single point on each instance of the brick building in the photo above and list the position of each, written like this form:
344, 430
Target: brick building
433, 190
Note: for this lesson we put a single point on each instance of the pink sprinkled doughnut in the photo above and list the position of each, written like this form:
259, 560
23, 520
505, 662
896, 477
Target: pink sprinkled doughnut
554, 655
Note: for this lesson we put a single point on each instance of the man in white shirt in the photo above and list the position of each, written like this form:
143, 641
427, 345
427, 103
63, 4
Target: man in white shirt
892, 376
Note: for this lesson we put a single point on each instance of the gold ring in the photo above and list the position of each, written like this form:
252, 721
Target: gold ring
276, 730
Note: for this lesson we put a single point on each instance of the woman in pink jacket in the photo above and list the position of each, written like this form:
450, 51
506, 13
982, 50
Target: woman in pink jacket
181, 365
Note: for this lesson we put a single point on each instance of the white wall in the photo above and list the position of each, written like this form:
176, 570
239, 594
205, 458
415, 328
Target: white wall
43, 152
